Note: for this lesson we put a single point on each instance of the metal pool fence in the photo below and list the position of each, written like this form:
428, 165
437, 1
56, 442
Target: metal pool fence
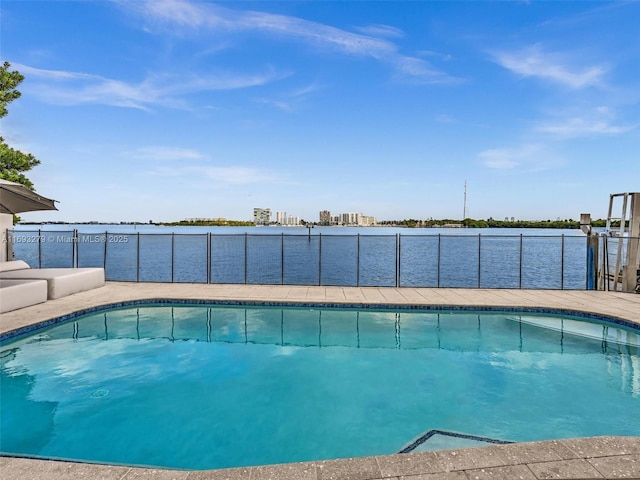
618, 263
465, 261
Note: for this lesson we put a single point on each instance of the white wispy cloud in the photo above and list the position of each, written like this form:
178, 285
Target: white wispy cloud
167, 89
217, 19
578, 127
441, 56
235, 175
552, 66
221, 175
600, 121
53, 74
379, 30
306, 90
371, 43
500, 158
289, 102
164, 153
279, 104
528, 157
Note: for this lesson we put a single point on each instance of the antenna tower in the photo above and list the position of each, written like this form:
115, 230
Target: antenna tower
464, 210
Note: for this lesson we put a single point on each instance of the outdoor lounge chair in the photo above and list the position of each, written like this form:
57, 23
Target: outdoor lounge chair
15, 294
60, 281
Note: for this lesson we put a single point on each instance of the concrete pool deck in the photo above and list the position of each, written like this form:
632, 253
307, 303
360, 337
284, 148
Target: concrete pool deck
598, 457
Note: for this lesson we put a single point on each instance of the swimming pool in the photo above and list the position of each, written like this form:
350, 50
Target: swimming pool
200, 386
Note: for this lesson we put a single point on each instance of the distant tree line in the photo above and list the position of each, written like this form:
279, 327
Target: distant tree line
208, 223
413, 223
492, 223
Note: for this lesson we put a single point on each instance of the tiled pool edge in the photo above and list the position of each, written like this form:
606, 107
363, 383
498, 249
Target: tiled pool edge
610, 319
594, 457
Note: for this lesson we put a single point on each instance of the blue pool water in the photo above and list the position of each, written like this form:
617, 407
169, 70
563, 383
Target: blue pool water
201, 387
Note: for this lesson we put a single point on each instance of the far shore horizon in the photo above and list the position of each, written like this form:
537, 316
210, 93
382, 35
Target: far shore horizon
405, 223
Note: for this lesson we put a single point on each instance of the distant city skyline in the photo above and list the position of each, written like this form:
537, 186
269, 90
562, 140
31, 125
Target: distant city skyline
263, 216
168, 109
325, 217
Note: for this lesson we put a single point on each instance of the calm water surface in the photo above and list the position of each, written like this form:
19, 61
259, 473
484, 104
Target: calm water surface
487, 258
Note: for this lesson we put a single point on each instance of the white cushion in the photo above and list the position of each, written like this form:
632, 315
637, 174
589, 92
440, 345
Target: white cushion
16, 294
13, 265
61, 281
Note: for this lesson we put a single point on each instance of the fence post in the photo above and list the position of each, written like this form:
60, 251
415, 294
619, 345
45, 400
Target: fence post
245, 257
106, 235
320, 258
520, 286
138, 258
173, 258
604, 268
590, 270
282, 259
208, 257
562, 263
39, 248
479, 257
439, 240
592, 262
76, 249
358, 262
397, 260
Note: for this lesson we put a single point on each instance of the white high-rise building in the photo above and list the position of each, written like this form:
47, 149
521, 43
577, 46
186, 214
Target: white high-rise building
355, 219
350, 218
366, 221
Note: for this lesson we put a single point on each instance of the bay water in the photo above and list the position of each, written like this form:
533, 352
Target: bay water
346, 256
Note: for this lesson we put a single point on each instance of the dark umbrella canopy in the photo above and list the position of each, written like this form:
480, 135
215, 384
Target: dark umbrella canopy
16, 198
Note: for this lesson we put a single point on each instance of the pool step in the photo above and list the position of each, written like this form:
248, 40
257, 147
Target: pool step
445, 440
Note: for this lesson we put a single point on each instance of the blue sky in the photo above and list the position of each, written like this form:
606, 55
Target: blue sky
166, 109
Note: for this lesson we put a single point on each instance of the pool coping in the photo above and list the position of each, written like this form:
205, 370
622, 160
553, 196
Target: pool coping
581, 458
596, 457
622, 308
25, 330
